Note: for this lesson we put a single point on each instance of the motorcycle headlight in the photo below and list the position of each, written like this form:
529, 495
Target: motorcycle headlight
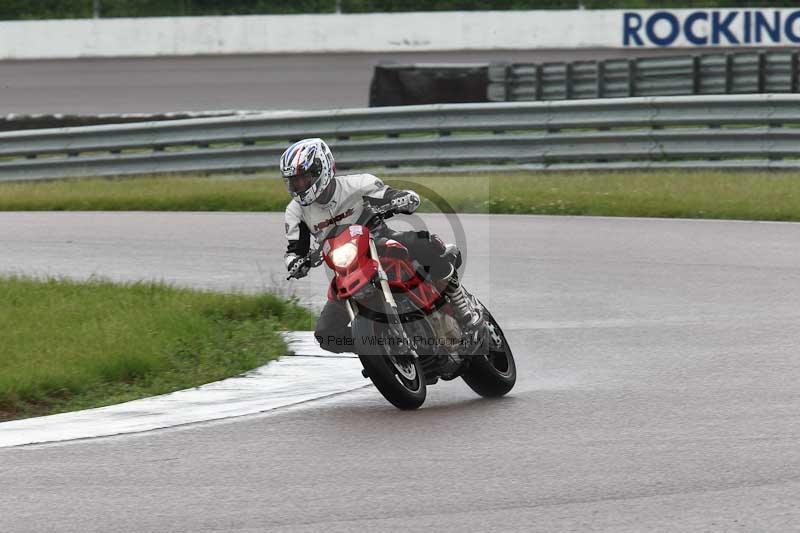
344, 255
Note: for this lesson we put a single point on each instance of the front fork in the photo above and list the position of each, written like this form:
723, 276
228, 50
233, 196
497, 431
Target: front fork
384, 281
390, 305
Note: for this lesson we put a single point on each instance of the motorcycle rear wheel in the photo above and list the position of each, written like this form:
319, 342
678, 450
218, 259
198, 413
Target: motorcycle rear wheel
494, 374
398, 377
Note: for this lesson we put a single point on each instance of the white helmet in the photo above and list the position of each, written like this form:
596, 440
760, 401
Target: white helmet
307, 167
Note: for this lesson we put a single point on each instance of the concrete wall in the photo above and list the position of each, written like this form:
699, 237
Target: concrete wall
492, 30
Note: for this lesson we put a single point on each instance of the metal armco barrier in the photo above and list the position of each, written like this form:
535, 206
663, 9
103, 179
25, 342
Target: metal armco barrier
721, 73
754, 131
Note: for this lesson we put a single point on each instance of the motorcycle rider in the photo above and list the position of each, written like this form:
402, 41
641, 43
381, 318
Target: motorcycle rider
322, 200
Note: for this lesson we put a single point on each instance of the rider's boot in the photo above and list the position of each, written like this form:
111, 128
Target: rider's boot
465, 305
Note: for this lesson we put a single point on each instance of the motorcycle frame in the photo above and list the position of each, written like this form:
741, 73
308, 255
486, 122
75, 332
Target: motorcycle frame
368, 264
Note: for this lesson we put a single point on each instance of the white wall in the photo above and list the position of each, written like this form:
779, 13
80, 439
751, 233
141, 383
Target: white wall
490, 30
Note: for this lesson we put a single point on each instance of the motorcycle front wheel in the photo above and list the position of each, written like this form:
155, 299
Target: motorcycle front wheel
398, 377
495, 373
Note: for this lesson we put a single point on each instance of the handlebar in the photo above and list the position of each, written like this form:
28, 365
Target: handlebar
371, 217
378, 214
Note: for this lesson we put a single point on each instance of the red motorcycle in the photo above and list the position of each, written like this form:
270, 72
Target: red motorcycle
405, 328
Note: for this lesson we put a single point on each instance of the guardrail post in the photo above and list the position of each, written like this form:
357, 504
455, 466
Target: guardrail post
538, 78
696, 74
762, 72
768, 144
601, 78
392, 136
632, 77
508, 83
568, 81
794, 72
728, 73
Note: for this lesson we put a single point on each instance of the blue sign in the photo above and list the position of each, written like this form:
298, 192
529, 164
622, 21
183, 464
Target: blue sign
711, 28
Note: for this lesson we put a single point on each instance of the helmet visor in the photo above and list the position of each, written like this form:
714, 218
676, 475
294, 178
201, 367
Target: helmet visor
303, 181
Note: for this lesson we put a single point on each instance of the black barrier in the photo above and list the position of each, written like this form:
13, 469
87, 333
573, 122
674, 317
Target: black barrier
394, 85
15, 122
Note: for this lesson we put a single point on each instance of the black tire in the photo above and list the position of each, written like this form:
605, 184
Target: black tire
402, 392
495, 374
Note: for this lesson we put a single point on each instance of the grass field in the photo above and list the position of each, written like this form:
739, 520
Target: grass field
70, 345
668, 193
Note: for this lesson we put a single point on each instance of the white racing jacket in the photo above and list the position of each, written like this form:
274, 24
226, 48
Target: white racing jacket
344, 208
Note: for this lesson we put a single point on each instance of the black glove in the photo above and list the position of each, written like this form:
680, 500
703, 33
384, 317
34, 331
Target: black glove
298, 268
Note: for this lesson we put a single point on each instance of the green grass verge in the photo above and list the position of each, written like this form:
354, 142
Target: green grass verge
70, 345
667, 193
156, 193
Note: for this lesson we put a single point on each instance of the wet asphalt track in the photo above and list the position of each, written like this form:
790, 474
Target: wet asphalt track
658, 391
308, 81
